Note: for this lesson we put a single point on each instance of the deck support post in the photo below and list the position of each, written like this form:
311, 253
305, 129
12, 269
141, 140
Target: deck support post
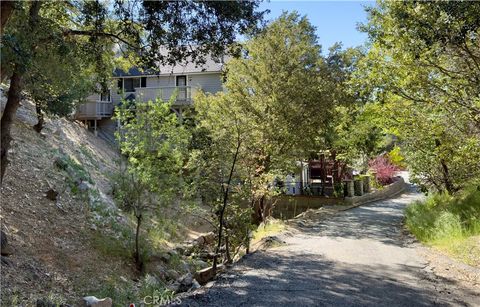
95, 128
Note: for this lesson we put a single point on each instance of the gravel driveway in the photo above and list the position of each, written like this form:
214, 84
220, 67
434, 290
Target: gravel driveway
359, 257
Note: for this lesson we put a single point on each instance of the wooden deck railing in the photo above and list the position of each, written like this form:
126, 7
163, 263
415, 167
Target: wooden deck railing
183, 94
94, 110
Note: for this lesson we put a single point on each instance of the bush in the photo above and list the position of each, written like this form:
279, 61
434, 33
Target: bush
446, 221
384, 169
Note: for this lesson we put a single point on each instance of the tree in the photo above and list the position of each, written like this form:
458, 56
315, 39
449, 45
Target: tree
132, 196
423, 67
38, 32
216, 166
281, 90
154, 142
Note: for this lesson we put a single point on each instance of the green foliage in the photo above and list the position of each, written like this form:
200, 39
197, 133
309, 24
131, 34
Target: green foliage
155, 142
75, 171
421, 70
442, 216
396, 158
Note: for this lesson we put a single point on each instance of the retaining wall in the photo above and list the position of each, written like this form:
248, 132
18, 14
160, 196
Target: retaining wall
289, 206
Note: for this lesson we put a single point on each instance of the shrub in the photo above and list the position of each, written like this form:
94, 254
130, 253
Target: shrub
445, 217
384, 169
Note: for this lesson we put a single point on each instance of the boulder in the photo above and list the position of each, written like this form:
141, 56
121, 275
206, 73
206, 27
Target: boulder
5, 250
185, 283
200, 264
92, 301
195, 285
51, 194
205, 275
184, 266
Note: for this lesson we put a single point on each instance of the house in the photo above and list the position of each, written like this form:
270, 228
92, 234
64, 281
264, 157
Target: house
182, 80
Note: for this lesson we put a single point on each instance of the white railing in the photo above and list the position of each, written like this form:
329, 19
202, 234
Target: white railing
104, 108
183, 94
94, 110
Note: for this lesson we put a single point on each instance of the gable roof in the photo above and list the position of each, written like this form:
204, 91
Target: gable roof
210, 65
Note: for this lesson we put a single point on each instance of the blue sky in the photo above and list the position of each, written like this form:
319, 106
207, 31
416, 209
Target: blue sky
335, 20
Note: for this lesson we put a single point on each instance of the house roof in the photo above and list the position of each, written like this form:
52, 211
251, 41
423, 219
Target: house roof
210, 65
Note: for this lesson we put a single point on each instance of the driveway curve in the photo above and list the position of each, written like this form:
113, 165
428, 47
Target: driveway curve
359, 257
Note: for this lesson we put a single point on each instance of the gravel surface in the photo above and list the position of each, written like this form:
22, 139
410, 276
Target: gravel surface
359, 257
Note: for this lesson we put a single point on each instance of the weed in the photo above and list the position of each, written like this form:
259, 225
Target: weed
448, 222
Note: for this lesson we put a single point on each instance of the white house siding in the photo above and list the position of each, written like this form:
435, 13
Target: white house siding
115, 93
208, 82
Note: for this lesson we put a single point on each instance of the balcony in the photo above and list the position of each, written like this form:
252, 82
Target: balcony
183, 94
94, 110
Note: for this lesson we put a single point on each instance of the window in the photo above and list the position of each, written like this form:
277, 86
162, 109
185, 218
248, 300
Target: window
129, 84
105, 96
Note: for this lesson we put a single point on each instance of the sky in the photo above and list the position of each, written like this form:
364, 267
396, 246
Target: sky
335, 20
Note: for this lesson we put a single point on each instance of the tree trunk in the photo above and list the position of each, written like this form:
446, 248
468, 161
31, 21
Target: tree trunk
39, 125
13, 101
227, 247
14, 92
445, 172
6, 11
224, 206
138, 261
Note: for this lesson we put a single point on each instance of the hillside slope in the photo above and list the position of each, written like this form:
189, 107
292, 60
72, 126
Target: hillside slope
52, 239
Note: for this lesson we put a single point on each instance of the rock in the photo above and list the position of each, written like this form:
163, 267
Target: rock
45, 303
51, 194
200, 264
205, 275
200, 241
174, 287
5, 250
209, 238
161, 272
172, 274
185, 283
184, 266
195, 285
180, 249
206, 255
92, 301
83, 186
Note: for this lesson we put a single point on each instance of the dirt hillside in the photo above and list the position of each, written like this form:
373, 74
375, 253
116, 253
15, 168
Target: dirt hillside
53, 256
